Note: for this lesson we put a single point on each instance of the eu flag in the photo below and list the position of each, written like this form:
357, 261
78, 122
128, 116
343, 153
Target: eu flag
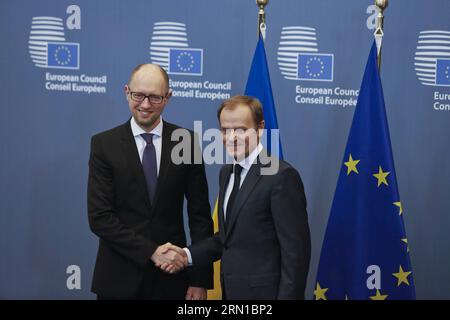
186, 61
443, 72
315, 67
365, 251
63, 55
259, 86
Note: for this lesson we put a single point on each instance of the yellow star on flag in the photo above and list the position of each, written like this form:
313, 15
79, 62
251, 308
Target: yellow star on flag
351, 165
379, 296
320, 292
405, 240
402, 276
399, 204
381, 176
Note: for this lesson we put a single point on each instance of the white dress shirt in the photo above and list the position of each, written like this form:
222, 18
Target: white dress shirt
245, 164
141, 143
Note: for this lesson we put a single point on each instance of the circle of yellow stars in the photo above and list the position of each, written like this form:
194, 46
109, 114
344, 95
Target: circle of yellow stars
401, 275
190, 62
381, 175
57, 55
308, 68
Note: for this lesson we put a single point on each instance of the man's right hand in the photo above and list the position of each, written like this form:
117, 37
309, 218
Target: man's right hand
170, 258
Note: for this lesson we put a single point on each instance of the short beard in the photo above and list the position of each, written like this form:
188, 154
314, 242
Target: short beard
149, 123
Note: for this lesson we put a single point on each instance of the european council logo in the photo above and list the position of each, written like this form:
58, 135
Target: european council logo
169, 48
299, 58
315, 67
186, 61
432, 59
63, 55
48, 47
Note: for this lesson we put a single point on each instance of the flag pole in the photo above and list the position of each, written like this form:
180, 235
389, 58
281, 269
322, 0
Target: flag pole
379, 31
262, 17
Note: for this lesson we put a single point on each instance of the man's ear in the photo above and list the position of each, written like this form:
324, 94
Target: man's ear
261, 126
126, 89
169, 94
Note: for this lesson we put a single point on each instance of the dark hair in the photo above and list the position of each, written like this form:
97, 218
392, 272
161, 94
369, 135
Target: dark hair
252, 103
139, 67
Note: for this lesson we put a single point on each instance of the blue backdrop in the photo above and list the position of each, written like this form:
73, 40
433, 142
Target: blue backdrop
64, 64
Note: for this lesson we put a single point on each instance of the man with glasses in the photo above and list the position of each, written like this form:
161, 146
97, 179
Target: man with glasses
135, 201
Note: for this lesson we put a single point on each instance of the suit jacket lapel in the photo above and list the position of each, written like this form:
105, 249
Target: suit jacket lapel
247, 186
223, 187
134, 163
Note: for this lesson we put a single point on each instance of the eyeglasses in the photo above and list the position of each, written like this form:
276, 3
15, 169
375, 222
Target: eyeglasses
153, 99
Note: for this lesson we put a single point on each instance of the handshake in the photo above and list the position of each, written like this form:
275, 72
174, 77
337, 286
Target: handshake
170, 258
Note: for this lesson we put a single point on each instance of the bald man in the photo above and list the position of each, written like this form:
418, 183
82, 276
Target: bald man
135, 200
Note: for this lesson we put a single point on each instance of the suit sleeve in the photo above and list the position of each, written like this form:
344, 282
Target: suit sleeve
207, 251
288, 205
103, 219
199, 213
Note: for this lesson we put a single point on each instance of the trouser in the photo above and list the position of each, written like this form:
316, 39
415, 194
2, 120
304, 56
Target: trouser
157, 285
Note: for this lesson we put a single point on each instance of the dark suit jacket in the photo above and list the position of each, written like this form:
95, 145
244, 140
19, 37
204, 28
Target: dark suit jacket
130, 228
265, 248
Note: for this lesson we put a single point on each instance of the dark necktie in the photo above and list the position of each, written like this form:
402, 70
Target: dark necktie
149, 165
237, 169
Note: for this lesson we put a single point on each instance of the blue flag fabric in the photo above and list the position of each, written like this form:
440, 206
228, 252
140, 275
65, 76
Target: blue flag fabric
258, 86
365, 252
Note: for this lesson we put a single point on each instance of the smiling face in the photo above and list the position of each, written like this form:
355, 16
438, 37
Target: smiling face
147, 80
240, 133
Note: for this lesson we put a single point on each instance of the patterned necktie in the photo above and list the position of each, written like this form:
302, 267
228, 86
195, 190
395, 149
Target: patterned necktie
237, 169
149, 165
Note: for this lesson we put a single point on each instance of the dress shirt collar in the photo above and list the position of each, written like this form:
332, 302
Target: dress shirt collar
247, 162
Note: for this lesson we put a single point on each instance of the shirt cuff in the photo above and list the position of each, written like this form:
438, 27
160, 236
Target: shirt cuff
189, 256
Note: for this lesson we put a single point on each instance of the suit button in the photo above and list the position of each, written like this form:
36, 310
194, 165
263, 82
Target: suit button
225, 247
